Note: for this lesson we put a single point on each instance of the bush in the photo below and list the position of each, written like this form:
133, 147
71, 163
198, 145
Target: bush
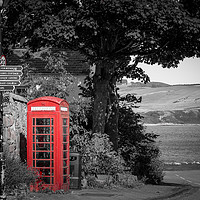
17, 176
148, 167
98, 156
138, 148
97, 153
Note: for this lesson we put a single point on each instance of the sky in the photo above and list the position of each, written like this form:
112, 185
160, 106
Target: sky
188, 72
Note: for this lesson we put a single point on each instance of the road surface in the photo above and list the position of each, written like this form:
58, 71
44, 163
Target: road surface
191, 178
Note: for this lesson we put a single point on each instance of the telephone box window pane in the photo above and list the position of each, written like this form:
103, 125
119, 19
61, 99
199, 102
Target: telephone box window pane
65, 146
64, 163
51, 130
64, 154
45, 172
64, 179
33, 130
33, 121
52, 172
64, 130
64, 138
64, 121
52, 138
46, 180
65, 170
33, 138
42, 130
43, 155
42, 163
52, 121
52, 181
42, 121
33, 155
52, 155
52, 164
41, 146
33, 163
43, 138
52, 147
33, 146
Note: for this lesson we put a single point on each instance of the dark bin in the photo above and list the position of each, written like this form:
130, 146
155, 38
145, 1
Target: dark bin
75, 170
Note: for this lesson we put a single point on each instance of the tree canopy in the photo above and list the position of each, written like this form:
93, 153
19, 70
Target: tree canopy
108, 32
157, 31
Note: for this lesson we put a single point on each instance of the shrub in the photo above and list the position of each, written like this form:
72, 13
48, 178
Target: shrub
138, 148
97, 152
148, 167
17, 175
98, 156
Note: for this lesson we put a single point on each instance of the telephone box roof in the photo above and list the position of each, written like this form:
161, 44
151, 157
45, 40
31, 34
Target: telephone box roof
48, 98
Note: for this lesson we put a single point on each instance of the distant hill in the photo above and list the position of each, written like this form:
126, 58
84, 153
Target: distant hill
151, 84
162, 103
190, 116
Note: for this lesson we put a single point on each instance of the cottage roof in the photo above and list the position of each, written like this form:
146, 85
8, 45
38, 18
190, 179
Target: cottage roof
75, 63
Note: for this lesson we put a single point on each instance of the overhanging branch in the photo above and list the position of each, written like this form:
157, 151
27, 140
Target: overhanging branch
128, 46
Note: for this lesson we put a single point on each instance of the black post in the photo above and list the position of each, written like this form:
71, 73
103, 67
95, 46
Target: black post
2, 162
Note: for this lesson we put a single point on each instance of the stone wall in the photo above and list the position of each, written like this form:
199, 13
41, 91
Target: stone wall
14, 124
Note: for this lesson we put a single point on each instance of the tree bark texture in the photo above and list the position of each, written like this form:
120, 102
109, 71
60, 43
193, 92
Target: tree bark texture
113, 114
100, 106
101, 84
106, 111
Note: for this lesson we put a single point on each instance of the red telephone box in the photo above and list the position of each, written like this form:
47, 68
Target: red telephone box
48, 141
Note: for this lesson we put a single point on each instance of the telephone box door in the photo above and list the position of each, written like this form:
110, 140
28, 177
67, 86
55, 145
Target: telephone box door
43, 147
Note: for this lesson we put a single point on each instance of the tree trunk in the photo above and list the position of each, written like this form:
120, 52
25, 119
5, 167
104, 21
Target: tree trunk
113, 115
100, 106
101, 95
106, 103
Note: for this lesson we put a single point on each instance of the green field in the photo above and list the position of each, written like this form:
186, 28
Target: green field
167, 104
